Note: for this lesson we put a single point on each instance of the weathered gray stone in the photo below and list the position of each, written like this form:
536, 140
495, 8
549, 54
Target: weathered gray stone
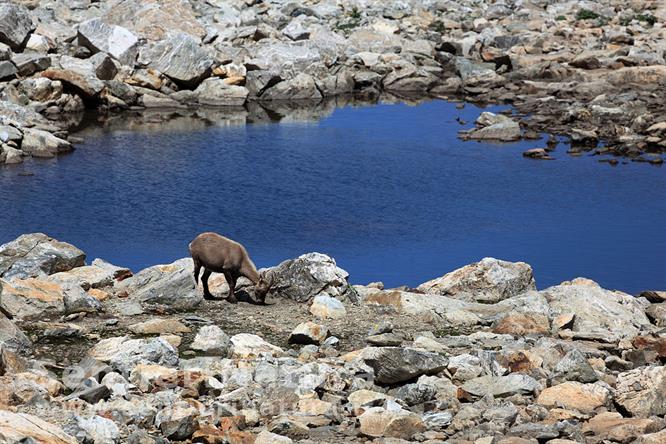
177, 422
397, 364
120, 43
501, 386
29, 63
211, 340
325, 306
642, 391
123, 354
40, 143
37, 254
11, 337
301, 87
309, 275
22, 427
490, 280
7, 70
79, 74
15, 25
216, 92
180, 57
308, 333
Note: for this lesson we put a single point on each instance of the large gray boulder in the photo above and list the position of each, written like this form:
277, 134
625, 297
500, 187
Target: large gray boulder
118, 42
80, 74
642, 391
171, 285
309, 275
123, 353
216, 92
180, 57
598, 314
285, 57
37, 254
489, 280
396, 364
15, 25
39, 143
301, 87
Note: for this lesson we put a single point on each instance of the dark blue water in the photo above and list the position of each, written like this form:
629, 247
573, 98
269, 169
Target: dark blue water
387, 190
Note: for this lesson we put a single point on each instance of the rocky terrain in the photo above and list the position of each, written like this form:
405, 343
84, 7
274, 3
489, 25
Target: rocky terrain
97, 354
592, 71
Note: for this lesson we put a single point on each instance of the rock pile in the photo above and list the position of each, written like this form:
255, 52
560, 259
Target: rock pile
477, 355
591, 70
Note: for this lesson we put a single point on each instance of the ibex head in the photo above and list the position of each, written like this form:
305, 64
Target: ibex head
264, 285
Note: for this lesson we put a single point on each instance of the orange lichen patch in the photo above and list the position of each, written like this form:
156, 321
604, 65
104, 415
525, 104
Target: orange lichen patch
100, 295
34, 289
393, 299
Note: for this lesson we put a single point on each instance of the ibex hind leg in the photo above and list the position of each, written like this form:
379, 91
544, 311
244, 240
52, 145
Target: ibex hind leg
204, 281
197, 269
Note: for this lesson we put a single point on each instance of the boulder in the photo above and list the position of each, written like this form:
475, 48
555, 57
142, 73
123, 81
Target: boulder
258, 81
245, 345
40, 143
301, 87
575, 367
96, 429
612, 427
29, 63
79, 74
575, 395
288, 57
489, 280
155, 19
37, 254
41, 89
77, 301
266, 437
378, 422
211, 340
170, 285
642, 391
22, 427
396, 364
501, 386
216, 92
308, 333
177, 422
15, 25
123, 354
98, 36
309, 275
97, 275
325, 306
362, 399
521, 324
25, 298
180, 57
601, 315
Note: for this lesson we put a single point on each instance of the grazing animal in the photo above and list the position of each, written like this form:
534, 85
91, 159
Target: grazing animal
219, 254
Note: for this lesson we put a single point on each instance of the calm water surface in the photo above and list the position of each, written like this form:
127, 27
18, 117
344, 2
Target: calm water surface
388, 190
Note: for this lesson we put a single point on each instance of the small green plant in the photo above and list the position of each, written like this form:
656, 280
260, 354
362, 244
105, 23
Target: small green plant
438, 26
355, 13
647, 18
586, 14
560, 18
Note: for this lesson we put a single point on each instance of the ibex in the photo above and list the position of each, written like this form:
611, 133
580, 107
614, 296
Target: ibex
219, 254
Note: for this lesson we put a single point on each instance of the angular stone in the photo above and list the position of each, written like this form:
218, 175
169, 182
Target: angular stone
266, 437
123, 354
40, 143
216, 92
15, 25
159, 326
574, 367
501, 386
24, 298
521, 324
11, 337
301, 87
490, 280
601, 315
180, 57
98, 429
642, 391
7, 70
575, 395
378, 422
245, 345
308, 333
612, 427
258, 81
325, 306
170, 285
396, 364
177, 422
79, 74
120, 43
97, 275
211, 340
22, 427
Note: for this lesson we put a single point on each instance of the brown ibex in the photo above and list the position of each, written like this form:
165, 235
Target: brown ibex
219, 254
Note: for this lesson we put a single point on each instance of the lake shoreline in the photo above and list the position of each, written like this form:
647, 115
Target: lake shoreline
94, 347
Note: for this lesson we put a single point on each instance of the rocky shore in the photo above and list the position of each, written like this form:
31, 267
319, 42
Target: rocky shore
97, 354
592, 71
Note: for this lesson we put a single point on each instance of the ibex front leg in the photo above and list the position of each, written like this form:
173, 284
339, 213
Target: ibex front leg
231, 280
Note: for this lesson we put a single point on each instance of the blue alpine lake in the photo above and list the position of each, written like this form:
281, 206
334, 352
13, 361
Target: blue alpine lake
388, 190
